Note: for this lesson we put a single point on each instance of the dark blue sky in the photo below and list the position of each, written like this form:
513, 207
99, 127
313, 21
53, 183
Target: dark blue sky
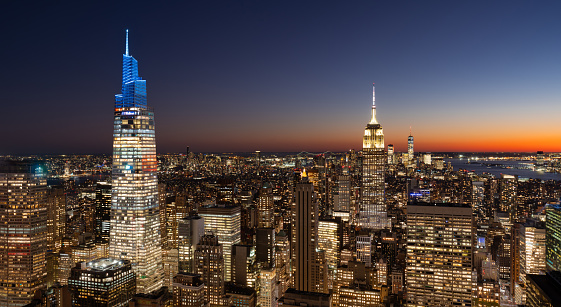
284, 75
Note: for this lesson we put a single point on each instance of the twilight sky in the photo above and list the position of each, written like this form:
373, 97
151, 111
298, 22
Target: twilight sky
284, 75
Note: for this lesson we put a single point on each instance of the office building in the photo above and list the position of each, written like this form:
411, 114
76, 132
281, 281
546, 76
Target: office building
343, 201
224, 221
359, 296
135, 220
102, 282
209, 263
532, 248
508, 185
23, 231
373, 213
410, 150
391, 155
531, 255
56, 218
190, 230
244, 266
170, 259
265, 246
268, 288
84, 252
265, 207
283, 261
553, 237
544, 290
364, 249
304, 235
295, 298
102, 211
188, 290
439, 254
241, 296
328, 241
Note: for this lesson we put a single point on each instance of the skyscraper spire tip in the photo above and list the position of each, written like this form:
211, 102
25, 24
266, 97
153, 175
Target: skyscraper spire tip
373, 96
127, 44
373, 120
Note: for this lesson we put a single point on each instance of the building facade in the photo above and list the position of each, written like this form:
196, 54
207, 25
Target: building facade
190, 230
188, 290
265, 207
224, 221
439, 255
304, 235
209, 263
553, 237
410, 150
135, 220
102, 211
102, 282
373, 213
23, 232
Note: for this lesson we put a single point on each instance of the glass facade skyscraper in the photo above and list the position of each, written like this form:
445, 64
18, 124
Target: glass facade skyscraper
135, 221
23, 231
553, 237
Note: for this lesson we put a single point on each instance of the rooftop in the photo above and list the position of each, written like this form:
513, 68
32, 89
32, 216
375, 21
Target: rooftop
105, 264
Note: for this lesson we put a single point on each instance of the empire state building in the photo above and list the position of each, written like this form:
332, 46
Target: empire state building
135, 221
373, 213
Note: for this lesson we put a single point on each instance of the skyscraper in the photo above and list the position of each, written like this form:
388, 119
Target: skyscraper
134, 233
410, 150
309, 263
373, 212
531, 255
439, 254
244, 267
390, 154
209, 263
102, 282
304, 235
23, 232
190, 230
342, 198
266, 207
102, 211
265, 246
268, 291
56, 218
224, 221
188, 290
553, 237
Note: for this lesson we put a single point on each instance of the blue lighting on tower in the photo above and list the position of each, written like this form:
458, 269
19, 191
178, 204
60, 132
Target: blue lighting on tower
133, 90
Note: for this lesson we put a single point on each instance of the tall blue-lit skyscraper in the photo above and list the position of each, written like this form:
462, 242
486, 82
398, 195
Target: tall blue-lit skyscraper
135, 221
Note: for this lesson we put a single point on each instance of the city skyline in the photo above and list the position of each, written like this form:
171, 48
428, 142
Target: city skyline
270, 77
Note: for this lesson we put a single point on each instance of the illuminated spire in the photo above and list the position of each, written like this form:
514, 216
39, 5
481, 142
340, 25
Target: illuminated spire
373, 120
127, 47
410, 131
304, 176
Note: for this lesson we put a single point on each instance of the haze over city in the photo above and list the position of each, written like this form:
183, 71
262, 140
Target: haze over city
285, 76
